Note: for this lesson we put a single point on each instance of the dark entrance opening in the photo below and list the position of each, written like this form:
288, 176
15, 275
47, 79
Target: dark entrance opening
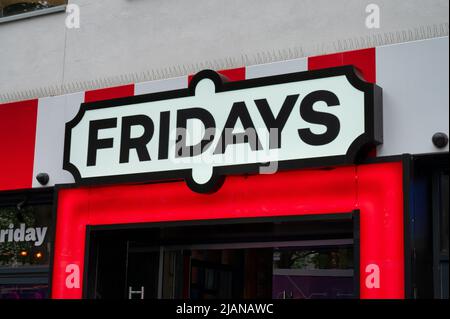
282, 258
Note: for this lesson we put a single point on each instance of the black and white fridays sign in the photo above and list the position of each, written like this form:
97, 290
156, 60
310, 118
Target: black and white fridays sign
216, 128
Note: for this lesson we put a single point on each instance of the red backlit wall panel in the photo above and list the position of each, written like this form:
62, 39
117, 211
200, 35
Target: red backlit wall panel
374, 189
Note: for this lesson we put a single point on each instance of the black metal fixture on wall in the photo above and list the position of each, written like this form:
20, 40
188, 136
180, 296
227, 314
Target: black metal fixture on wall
440, 140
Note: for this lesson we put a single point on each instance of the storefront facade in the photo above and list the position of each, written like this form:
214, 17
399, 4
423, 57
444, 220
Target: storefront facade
373, 224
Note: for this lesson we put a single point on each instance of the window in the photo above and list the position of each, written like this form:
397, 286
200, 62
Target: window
25, 243
18, 9
24, 291
24, 235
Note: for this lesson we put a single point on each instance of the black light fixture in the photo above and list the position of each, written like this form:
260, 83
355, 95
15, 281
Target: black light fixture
440, 140
42, 178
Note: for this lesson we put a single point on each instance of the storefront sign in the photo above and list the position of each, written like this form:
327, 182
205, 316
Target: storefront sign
216, 128
22, 233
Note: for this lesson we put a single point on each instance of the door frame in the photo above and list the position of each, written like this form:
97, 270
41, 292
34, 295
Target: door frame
379, 188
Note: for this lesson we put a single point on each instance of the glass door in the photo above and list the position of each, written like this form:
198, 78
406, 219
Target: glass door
142, 271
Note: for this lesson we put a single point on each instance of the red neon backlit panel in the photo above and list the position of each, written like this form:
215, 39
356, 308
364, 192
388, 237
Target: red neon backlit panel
17, 140
374, 189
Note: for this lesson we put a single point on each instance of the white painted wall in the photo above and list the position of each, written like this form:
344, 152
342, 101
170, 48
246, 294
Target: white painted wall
415, 80
120, 37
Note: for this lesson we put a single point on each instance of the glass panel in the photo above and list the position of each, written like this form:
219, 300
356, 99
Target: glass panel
215, 273
39, 291
313, 273
14, 7
173, 272
142, 272
251, 273
337, 257
24, 235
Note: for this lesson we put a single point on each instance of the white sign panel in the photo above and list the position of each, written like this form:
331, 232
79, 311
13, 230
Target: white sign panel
216, 128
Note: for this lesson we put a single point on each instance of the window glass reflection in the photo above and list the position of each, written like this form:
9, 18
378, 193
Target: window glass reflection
313, 273
338, 257
38, 291
24, 235
14, 7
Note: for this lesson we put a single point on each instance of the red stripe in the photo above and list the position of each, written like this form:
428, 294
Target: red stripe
325, 61
237, 74
109, 93
17, 141
363, 60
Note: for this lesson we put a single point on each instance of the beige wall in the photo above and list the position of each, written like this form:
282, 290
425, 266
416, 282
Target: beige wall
129, 37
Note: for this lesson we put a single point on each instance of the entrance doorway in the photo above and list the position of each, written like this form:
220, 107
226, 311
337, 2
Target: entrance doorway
287, 259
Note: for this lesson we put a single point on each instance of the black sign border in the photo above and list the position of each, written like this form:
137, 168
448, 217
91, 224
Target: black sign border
372, 136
